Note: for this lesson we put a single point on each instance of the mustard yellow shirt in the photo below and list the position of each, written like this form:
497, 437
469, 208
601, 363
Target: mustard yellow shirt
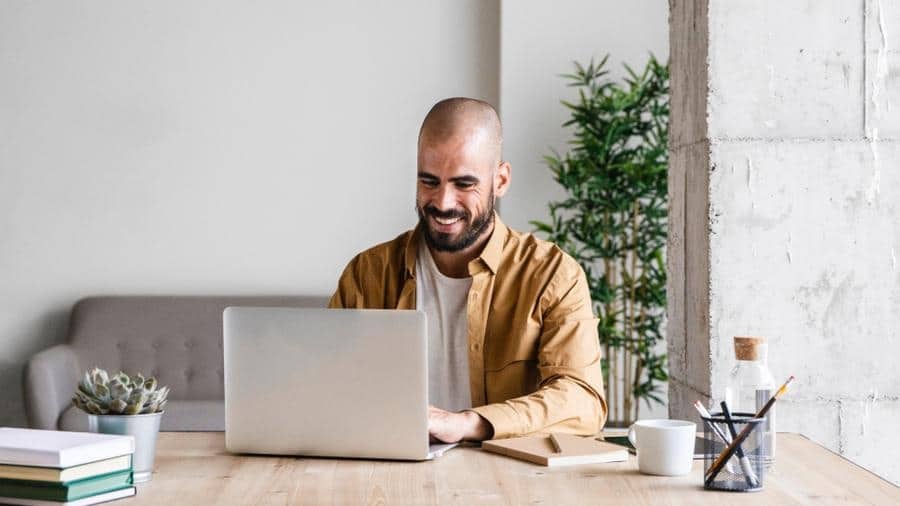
534, 354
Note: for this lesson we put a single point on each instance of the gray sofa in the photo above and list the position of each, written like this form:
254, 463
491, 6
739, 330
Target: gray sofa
177, 339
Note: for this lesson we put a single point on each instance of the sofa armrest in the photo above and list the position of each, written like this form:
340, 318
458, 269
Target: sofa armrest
48, 382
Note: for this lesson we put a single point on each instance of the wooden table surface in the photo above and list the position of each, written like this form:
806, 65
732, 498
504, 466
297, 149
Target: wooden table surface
194, 468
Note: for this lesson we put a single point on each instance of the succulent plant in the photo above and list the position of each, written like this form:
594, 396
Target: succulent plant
98, 394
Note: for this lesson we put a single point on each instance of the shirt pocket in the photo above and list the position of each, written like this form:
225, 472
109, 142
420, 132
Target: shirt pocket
513, 343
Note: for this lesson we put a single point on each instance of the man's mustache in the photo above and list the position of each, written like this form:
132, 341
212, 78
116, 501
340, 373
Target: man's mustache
445, 215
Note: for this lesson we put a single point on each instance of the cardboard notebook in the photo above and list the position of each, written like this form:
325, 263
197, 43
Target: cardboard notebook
540, 449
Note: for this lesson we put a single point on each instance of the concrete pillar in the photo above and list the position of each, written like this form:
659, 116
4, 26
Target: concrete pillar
785, 210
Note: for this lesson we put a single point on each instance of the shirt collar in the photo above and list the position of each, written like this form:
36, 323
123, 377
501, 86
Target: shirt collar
490, 255
409, 251
493, 250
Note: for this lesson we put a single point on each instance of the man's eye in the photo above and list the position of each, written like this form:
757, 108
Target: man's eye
464, 186
428, 183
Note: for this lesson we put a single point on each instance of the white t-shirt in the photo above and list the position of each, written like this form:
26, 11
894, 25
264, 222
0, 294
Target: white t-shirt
444, 301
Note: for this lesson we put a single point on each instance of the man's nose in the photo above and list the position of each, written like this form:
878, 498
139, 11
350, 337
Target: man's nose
446, 198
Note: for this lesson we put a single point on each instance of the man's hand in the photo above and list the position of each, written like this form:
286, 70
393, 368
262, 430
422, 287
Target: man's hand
448, 427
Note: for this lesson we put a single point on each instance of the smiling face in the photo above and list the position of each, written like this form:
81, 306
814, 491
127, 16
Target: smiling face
460, 174
455, 191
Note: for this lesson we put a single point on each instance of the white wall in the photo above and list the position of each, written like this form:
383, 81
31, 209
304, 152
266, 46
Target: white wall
191, 147
539, 41
188, 147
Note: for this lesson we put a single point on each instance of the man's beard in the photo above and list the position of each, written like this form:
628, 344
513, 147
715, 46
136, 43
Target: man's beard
441, 241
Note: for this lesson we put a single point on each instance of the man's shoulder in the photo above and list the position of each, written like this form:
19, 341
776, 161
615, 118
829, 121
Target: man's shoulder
524, 248
385, 255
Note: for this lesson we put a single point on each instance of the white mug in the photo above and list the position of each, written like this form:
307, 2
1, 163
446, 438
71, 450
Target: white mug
664, 447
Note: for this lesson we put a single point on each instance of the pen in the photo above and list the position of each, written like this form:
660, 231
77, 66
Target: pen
749, 475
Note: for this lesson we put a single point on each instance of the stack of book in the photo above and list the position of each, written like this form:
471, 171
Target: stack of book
55, 468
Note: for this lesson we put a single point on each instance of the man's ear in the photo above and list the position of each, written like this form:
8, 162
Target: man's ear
502, 178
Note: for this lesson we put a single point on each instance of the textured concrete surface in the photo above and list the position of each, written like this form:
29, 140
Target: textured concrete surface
687, 251
675, 302
688, 46
802, 255
869, 434
785, 69
802, 197
819, 420
882, 43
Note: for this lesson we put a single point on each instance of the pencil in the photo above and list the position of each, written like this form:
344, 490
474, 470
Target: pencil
715, 428
729, 450
556, 443
749, 475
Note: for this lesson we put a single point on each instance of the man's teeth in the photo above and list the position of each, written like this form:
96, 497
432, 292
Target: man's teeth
444, 221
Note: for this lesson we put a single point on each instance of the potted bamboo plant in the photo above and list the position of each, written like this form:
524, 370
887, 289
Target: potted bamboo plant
613, 221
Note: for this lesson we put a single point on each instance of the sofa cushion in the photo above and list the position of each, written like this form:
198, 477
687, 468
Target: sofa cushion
179, 416
177, 339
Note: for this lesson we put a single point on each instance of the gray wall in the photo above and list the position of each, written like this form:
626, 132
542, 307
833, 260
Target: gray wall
785, 177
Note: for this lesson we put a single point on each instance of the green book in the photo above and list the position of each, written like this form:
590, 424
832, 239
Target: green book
69, 491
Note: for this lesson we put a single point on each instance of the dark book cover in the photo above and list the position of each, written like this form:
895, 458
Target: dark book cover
70, 491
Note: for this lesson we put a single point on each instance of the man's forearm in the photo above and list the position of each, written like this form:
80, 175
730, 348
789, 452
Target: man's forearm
564, 404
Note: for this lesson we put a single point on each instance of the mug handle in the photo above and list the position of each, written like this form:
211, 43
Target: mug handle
632, 437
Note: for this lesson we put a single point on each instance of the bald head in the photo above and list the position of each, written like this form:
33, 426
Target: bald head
460, 176
465, 119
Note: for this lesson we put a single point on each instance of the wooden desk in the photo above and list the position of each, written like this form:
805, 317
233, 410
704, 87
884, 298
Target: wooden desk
193, 468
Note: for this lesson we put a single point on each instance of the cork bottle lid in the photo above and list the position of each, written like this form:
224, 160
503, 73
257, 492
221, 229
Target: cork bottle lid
749, 348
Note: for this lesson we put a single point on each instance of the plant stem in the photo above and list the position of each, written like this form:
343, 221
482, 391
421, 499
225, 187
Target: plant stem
635, 216
614, 351
626, 321
607, 307
617, 398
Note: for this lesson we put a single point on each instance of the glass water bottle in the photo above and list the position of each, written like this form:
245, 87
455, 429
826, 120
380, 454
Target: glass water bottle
750, 386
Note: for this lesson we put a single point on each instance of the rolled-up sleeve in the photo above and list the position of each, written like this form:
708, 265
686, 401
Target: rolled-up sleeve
569, 397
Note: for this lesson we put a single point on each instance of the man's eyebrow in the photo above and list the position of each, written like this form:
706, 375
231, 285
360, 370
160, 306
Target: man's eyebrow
465, 179
458, 179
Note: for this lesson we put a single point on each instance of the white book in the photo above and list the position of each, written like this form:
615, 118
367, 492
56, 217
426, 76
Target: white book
60, 449
85, 501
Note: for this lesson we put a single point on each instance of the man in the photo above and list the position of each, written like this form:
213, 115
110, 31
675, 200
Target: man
512, 338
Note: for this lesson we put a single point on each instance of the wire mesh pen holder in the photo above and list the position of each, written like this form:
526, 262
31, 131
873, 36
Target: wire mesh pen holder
744, 469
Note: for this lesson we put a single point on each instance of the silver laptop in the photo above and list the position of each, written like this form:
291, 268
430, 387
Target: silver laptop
327, 382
